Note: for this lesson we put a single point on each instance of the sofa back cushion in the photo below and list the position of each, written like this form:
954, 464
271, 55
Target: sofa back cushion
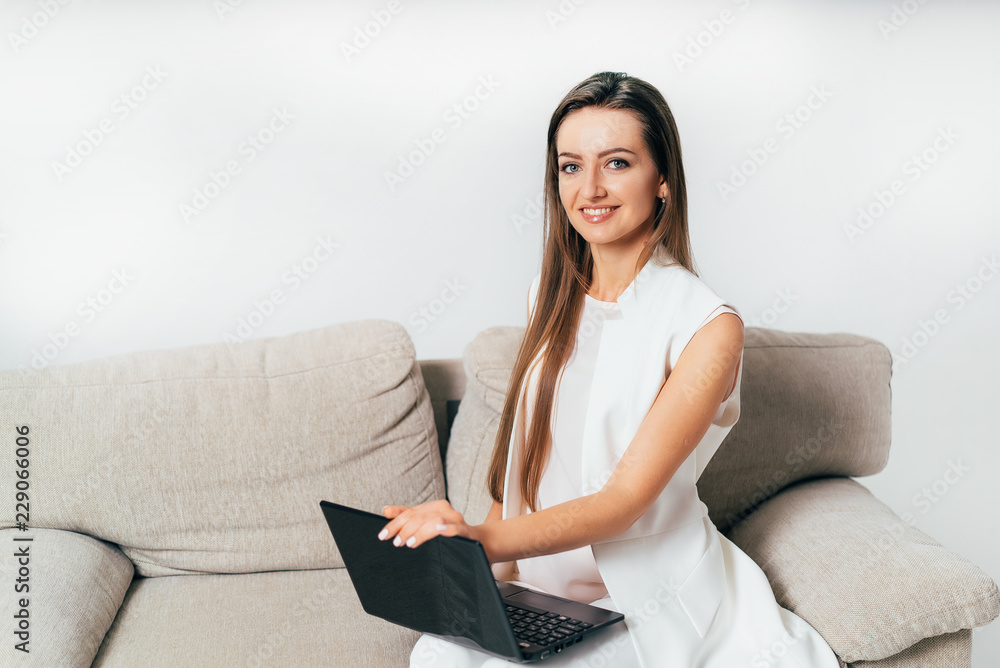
812, 405
214, 458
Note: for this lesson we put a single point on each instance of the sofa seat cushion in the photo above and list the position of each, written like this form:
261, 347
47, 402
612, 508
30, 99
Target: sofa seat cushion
283, 618
73, 585
214, 458
870, 583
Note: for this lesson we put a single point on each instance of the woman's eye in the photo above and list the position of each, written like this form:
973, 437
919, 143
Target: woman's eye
623, 163
566, 168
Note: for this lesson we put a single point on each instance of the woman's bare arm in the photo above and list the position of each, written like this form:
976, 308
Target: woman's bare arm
675, 424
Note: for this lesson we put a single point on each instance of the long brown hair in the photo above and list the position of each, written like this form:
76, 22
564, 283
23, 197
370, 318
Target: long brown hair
567, 265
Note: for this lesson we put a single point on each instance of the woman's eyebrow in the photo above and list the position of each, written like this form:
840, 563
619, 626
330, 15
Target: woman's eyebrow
599, 155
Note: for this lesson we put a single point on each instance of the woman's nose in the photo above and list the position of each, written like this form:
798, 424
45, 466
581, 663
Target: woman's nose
593, 184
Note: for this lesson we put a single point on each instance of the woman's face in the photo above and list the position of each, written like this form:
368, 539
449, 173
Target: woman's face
608, 182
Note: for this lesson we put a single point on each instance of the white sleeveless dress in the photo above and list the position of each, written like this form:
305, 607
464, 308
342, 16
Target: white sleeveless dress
573, 574
750, 605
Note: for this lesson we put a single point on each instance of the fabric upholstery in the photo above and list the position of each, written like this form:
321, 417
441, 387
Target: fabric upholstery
827, 545
214, 458
75, 585
288, 618
953, 650
445, 382
488, 360
812, 405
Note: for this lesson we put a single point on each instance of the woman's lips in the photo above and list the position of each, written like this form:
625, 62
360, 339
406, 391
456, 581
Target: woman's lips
602, 213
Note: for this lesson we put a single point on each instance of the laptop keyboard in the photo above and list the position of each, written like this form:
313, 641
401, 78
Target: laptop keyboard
542, 628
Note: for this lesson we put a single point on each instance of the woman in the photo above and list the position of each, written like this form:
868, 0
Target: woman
595, 463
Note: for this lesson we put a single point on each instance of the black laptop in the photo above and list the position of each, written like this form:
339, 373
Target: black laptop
445, 588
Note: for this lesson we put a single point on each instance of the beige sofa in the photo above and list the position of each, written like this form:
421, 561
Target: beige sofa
174, 497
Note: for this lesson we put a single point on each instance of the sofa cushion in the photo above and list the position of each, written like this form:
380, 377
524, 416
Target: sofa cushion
289, 618
870, 583
811, 405
214, 458
953, 650
488, 361
75, 585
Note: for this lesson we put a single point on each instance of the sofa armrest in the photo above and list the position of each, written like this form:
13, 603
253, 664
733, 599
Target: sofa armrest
870, 583
73, 586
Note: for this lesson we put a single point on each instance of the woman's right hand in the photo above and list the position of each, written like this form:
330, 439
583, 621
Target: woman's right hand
416, 525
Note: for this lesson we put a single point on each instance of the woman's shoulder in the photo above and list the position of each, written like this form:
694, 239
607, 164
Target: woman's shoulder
677, 283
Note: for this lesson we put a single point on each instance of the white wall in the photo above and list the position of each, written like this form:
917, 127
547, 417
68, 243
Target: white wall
888, 97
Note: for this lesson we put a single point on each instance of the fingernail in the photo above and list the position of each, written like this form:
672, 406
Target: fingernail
441, 527
382, 534
396, 541
410, 541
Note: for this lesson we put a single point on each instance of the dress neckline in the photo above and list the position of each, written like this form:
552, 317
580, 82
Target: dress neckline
599, 301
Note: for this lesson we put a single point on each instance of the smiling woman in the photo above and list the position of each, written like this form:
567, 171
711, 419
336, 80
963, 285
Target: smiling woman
603, 436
